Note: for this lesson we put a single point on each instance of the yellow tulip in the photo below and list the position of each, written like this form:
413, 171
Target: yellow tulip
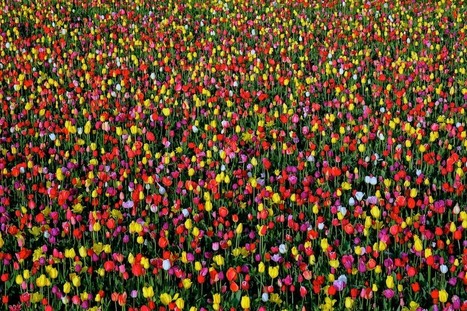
413, 305
180, 303
276, 198
375, 212
76, 280
66, 287
165, 299
208, 206
59, 174
148, 292
443, 296
349, 302
187, 283
53, 273
334, 263
131, 258
36, 297
191, 172
418, 244
245, 302
42, 281
87, 127
239, 229
70, 253
82, 252
219, 260
273, 272
19, 279
84, 296
261, 267
324, 244
101, 272
145, 262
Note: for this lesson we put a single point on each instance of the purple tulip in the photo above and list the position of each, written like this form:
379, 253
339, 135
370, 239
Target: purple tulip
388, 293
456, 302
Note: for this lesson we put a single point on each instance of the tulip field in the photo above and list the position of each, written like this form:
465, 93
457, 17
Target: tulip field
233, 155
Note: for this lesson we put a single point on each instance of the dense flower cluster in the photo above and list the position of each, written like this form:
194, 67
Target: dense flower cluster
218, 155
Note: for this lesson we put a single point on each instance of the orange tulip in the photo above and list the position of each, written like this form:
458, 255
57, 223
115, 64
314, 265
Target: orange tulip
231, 274
234, 287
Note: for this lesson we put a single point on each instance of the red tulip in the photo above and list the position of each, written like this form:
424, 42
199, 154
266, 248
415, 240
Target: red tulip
122, 299
231, 274
349, 229
223, 211
4, 277
150, 136
411, 271
411, 203
400, 201
234, 287
415, 287
266, 163
109, 266
163, 242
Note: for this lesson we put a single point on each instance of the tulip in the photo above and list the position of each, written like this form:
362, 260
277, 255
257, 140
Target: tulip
76, 280
245, 302
219, 260
180, 303
388, 293
66, 287
165, 299
166, 264
186, 283
261, 267
390, 282
443, 296
273, 272
70, 253
19, 279
148, 292
42, 281
231, 274
349, 303
53, 273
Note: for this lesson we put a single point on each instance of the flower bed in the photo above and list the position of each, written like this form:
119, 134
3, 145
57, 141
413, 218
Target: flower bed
226, 155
